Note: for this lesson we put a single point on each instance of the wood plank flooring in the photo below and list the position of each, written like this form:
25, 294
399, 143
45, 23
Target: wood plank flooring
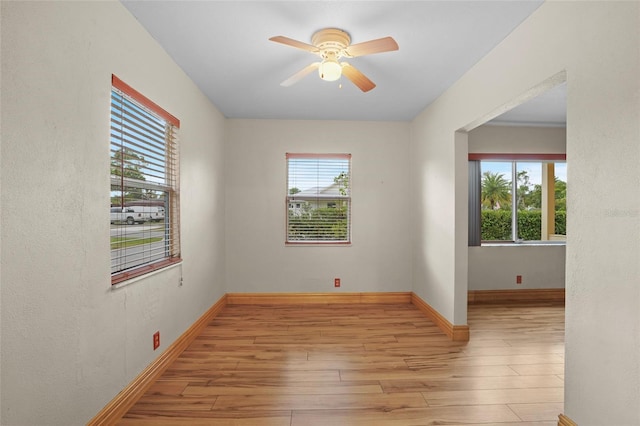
363, 365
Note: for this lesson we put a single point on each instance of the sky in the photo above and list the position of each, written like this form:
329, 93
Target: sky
534, 170
305, 173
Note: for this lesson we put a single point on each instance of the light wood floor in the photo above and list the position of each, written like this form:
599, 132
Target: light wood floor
363, 365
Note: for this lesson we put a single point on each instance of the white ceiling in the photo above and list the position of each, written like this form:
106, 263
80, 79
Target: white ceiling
223, 46
548, 109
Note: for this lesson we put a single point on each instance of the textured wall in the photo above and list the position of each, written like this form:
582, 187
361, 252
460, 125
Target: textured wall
379, 258
518, 140
596, 45
492, 268
496, 267
70, 342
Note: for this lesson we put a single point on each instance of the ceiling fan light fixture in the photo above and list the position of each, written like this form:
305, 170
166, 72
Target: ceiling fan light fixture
330, 70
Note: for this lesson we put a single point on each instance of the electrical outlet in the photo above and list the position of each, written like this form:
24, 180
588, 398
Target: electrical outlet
336, 282
156, 340
518, 279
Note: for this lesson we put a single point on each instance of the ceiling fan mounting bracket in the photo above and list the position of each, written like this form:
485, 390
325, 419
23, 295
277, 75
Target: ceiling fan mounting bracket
331, 42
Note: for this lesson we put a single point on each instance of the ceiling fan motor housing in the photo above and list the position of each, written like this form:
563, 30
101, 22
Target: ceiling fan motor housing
332, 42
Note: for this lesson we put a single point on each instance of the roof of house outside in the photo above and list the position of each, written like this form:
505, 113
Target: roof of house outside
331, 191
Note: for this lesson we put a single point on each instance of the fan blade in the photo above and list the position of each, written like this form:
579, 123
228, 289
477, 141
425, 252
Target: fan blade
295, 43
300, 74
380, 45
357, 78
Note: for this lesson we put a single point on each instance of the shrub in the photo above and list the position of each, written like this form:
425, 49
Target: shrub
529, 225
496, 224
561, 222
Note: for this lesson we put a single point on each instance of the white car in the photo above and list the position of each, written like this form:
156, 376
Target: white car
129, 215
156, 214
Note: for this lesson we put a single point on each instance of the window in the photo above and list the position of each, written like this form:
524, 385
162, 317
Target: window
517, 198
318, 198
145, 201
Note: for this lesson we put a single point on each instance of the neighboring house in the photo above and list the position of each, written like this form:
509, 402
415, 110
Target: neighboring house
316, 198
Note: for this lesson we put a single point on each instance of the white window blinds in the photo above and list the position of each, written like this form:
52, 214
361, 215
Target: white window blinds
318, 199
144, 185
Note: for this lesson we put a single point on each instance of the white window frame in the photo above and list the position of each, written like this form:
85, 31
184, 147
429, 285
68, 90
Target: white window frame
474, 198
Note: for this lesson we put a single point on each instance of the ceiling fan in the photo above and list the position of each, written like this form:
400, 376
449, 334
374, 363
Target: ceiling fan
331, 44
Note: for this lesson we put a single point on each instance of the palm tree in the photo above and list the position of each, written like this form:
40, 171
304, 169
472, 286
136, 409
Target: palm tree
496, 190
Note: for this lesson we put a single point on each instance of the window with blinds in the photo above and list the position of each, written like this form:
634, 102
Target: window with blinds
318, 199
145, 199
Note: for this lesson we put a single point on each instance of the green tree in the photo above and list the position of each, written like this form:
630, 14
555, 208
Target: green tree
150, 194
126, 162
560, 190
525, 195
293, 191
496, 190
339, 229
535, 197
343, 183
561, 195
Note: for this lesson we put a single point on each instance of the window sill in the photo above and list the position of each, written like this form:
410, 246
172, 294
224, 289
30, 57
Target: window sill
146, 275
318, 244
523, 243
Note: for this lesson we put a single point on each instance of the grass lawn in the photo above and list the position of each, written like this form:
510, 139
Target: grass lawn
122, 242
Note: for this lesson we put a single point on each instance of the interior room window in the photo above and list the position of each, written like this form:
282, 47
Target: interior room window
145, 198
318, 198
519, 199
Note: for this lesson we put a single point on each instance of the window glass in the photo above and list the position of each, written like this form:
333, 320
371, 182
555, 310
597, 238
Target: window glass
496, 200
532, 192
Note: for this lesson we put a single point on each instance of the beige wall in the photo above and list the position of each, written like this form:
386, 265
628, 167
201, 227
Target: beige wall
257, 259
70, 342
489, 139
495, 267
595, 44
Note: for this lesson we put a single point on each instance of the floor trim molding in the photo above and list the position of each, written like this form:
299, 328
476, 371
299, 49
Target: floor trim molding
119, 405
524, 295
457, 333
316, 298
565, 421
